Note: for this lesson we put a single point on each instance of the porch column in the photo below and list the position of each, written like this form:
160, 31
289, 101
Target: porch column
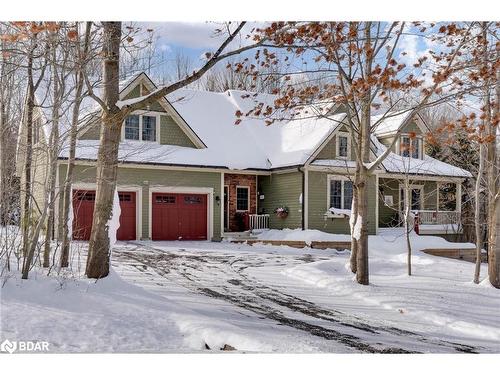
222, 204
459, 198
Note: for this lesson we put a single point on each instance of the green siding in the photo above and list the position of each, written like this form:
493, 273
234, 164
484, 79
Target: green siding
172, 134
93, 132
318, 190
412, 127
134, 93
159, 177
281, 189
329, 151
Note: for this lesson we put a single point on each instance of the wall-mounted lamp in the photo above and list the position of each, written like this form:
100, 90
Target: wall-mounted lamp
217, 199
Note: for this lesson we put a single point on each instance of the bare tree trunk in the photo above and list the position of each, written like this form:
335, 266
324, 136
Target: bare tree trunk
407, 226
107, 159
67, 194
53, 153
352, 221
362, 274
492, 170
30, 103
477, 214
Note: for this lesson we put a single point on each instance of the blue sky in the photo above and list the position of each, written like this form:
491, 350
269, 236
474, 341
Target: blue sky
193, 39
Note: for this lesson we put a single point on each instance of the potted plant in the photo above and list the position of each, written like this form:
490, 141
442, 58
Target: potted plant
281, 212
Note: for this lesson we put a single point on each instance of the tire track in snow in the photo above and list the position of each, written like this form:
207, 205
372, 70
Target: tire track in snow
250, 294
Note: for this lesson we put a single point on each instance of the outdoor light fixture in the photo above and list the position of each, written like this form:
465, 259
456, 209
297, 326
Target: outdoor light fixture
217, 199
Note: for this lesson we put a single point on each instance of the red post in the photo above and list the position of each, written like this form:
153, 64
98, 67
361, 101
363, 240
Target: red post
416, 224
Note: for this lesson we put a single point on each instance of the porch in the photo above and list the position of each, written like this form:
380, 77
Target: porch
434, 203
240, 206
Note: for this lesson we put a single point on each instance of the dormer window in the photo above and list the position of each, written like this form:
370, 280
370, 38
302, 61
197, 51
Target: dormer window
132, 127
149, 128
343, 145
411, 147
140, 128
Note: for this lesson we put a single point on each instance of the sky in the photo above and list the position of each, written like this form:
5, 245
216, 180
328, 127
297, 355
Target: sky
193, 39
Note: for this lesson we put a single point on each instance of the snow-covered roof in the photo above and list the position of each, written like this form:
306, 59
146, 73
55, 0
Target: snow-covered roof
394, 163
253, 144
388, 123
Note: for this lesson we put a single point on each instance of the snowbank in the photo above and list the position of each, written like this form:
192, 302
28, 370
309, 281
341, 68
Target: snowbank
301, 235
439, 295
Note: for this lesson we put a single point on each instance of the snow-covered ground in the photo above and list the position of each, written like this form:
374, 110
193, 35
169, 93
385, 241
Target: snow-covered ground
191, 296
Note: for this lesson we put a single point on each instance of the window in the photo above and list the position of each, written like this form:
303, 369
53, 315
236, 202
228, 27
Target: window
405, 146
140, 127
191, 199
415, 194
336, 194
242, 198
343, 146
132, 127
341, 194
149, 128
411, 147
347, 194
170, 199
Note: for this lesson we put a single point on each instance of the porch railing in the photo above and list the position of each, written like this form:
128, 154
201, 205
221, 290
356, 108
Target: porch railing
259, 221
438, 217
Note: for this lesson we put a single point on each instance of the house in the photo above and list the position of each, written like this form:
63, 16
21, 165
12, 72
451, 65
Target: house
187, 171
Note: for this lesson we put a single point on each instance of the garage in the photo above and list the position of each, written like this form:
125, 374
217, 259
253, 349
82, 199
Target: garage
179, 217
83, 213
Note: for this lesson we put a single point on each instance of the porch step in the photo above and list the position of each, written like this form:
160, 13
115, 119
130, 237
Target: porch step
239, 236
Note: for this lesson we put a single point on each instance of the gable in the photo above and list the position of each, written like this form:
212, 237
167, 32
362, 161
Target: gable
172, 130
329, 150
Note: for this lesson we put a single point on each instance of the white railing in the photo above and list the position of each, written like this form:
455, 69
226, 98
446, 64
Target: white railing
438, 217
259, 221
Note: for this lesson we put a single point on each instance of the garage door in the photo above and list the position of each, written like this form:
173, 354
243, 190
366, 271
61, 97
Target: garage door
179, 217
83, 213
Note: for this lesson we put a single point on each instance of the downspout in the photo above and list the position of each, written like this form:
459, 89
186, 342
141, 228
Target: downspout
303, 200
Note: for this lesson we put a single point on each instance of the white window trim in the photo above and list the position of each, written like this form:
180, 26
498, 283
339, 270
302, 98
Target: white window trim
337, 145
142, 113
343, 179
248, 198
418, 137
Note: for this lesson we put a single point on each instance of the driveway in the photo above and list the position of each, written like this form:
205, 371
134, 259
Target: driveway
246, 281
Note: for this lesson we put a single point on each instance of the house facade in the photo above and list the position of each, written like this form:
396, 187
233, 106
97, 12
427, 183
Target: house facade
188, 172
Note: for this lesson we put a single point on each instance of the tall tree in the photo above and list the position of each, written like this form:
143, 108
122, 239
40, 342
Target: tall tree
362, 61
81, 61
113, 115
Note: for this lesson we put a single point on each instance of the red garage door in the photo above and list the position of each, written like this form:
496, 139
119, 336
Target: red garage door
179, 217
83, 213
127, 229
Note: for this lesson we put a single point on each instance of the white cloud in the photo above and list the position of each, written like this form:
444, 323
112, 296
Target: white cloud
196, 35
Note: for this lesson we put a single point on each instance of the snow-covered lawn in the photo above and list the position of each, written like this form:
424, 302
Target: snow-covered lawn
190, 296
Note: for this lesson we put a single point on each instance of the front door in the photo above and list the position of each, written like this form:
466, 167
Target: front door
416, 200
